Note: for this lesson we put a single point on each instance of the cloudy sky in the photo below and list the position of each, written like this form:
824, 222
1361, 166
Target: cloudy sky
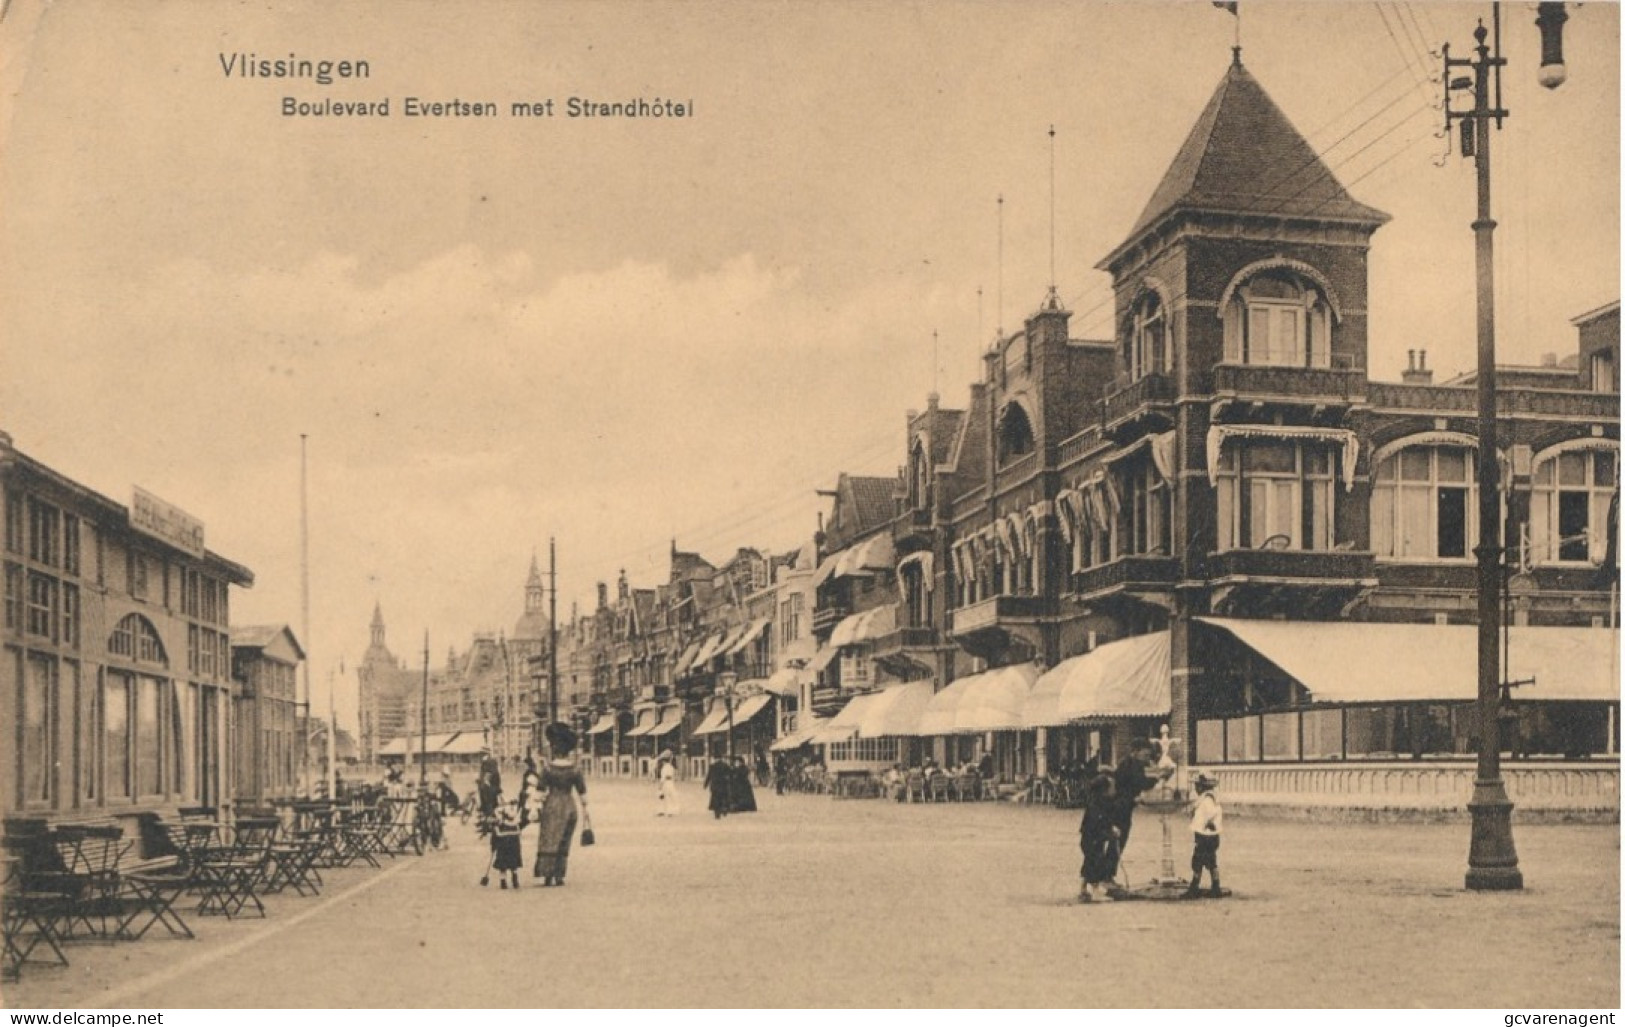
619, 332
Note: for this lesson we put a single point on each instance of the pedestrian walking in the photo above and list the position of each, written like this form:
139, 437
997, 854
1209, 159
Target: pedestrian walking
1098, 833
744, 796
561, 784
1207, 823
719, 782
666, 785
505, 844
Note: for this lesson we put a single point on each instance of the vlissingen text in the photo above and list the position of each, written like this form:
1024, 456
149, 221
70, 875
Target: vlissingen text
575, 107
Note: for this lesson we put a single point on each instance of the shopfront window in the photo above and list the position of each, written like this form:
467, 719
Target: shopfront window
39, 701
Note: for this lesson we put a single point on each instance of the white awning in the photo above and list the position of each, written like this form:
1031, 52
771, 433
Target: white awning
926, 561
1128, 678
786, 681
875, 553
1217, 434
823, 658
604, 723
744, 710
684, 661
708, 649
671, 720
826, 568
1349, 663
745, 636
896, 711
865, 626
796, 739
648, 717
843, 727
393, 747
465, 743
991, 701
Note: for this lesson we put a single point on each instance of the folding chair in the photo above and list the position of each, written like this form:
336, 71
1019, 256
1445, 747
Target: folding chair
90, 856
30, 915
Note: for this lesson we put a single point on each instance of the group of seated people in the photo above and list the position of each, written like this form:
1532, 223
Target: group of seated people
968, 780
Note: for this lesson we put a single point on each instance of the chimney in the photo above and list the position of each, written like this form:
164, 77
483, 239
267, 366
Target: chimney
1417, 373
603, 595
621, 589
1548, 360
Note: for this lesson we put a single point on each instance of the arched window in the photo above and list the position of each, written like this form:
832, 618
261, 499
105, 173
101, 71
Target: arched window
1145, 349
134, 638
1281, 318
1574, 490
919, 478
1424, 503
1015, 433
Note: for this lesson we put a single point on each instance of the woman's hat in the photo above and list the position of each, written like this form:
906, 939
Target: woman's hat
1206, 780
665, 754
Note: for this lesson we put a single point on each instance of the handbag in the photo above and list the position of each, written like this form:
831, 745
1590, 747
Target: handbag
587, 837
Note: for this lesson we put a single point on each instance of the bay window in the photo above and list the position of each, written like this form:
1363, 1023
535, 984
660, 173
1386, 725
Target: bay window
1147, 345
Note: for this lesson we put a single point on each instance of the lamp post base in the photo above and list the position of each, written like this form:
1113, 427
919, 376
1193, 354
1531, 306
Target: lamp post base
1492, 860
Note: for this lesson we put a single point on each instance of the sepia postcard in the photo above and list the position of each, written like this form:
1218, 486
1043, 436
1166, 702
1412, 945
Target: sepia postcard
810, 505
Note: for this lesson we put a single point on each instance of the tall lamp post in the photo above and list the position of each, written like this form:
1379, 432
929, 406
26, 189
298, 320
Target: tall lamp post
728, 680
423, 721
537, 665
1492, 860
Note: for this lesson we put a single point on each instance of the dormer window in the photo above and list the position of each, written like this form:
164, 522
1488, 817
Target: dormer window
1015, 433
1146, 349
1278, 318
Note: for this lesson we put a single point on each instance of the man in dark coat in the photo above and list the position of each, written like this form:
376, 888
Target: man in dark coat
1131, 778
719, 782
489, 783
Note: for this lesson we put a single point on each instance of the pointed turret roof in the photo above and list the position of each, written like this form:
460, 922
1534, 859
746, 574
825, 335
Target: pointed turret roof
1243, 156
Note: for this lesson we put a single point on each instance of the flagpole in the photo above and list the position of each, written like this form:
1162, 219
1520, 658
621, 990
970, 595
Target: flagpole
304, 604
332, 738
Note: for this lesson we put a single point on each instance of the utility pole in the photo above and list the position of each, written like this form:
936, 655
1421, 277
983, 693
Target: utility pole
423, 720
1492, 860
552, 631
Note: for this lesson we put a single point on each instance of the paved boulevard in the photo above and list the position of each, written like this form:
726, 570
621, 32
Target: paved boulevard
818, 902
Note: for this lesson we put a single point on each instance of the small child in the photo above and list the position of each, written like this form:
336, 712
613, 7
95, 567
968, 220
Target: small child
1207, 821
505, 843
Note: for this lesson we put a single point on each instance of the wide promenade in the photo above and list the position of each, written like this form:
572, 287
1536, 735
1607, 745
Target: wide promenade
821, 902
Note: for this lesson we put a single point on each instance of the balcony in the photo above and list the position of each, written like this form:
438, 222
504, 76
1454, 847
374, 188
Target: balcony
1134, 576
994, 627
1261, 582
906, 649
826, 616
1152, 394
912, 526
1296, 386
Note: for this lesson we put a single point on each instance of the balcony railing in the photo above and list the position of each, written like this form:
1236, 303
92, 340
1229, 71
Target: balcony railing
990, 613
1072, 450
1153, 390
1564, 403
1287, 564
912, 524
1138, 569
1309, 384
827, 616
1010, 470
905, 638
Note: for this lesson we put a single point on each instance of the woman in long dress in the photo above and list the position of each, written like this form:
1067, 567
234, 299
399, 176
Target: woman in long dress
719, 782
744, 796
666, 789
561, 783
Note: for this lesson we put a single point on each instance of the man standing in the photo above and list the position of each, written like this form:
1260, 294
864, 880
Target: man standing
489, 783
1131, 778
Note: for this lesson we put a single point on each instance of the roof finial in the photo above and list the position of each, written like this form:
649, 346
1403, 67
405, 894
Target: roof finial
1235, 56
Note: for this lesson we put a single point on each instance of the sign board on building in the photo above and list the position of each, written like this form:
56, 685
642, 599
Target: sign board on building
166, 521
826, 699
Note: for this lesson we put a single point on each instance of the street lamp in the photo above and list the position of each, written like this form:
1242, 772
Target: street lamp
727, 681
1492, 859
